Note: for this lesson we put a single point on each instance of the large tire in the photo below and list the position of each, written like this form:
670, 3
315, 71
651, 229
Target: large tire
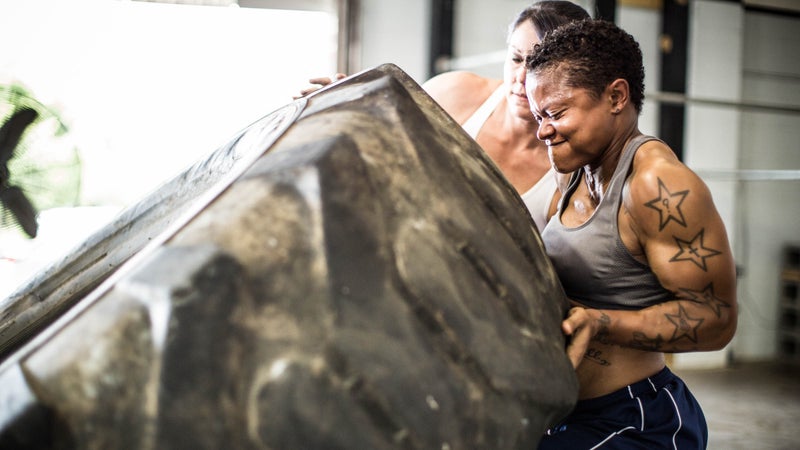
370, 282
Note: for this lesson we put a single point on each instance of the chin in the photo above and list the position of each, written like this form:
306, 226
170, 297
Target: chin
563, 168
563, 171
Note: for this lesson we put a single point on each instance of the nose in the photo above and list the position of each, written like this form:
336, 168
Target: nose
545, 131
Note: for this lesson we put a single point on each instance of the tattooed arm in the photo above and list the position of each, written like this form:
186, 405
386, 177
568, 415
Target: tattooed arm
668, 220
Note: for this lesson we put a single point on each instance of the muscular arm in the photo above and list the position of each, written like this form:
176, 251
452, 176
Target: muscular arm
669, 221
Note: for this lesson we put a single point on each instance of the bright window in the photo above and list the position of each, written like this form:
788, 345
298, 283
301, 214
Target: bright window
149, 88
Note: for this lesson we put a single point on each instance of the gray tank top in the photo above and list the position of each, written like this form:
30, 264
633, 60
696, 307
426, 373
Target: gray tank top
592, 263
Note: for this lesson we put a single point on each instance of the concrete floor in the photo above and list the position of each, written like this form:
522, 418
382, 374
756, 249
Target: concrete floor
754, 406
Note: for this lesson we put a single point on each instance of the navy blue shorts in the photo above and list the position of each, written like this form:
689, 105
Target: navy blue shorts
657, 412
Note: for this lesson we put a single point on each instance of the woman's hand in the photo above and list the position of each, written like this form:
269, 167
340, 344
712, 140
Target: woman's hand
581, 327
319, 83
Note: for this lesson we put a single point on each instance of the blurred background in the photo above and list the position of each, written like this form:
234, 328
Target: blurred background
132, 92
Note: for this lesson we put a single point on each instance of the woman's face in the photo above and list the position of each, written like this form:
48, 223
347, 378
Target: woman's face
575, 125
520, 44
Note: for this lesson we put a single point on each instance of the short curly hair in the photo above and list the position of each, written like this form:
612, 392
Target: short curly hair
592, 53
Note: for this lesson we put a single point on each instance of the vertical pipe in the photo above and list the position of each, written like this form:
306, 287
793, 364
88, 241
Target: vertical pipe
348, 57
673, 43
606, 10
441, 44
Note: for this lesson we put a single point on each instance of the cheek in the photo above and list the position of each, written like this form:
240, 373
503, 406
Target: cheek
592, 134
507, 70
571, 128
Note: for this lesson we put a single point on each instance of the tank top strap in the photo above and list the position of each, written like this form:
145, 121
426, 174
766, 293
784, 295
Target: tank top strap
475, 122
624, 164
574, 179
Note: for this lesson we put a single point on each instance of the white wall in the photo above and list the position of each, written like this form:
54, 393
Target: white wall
770, 215
644, 24
396, 32
482, 31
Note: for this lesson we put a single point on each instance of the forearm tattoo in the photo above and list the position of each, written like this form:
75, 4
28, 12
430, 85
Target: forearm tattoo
596, 356
642, 342
707, 298
602, 336
603, 333
685, 326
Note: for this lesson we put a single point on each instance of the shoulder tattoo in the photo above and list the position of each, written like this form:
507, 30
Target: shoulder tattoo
668, 206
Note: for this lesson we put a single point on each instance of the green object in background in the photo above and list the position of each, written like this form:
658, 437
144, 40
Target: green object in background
39, 166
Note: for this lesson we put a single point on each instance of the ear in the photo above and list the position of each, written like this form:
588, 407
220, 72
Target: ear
618, 94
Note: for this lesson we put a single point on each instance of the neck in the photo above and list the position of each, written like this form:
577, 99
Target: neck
598, 173
606, 164
594, 182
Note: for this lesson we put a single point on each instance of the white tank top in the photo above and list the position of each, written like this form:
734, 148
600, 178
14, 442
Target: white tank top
538, 198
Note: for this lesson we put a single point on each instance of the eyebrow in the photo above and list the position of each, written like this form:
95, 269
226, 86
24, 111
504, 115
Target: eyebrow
554, 105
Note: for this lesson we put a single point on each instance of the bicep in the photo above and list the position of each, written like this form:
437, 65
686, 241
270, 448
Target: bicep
684, 238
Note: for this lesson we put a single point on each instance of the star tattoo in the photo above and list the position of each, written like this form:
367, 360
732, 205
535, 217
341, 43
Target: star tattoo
685, 326
694, 251
643, 342
668, 205
706, 297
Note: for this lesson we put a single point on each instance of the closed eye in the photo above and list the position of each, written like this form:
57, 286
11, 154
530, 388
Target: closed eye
555, 115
